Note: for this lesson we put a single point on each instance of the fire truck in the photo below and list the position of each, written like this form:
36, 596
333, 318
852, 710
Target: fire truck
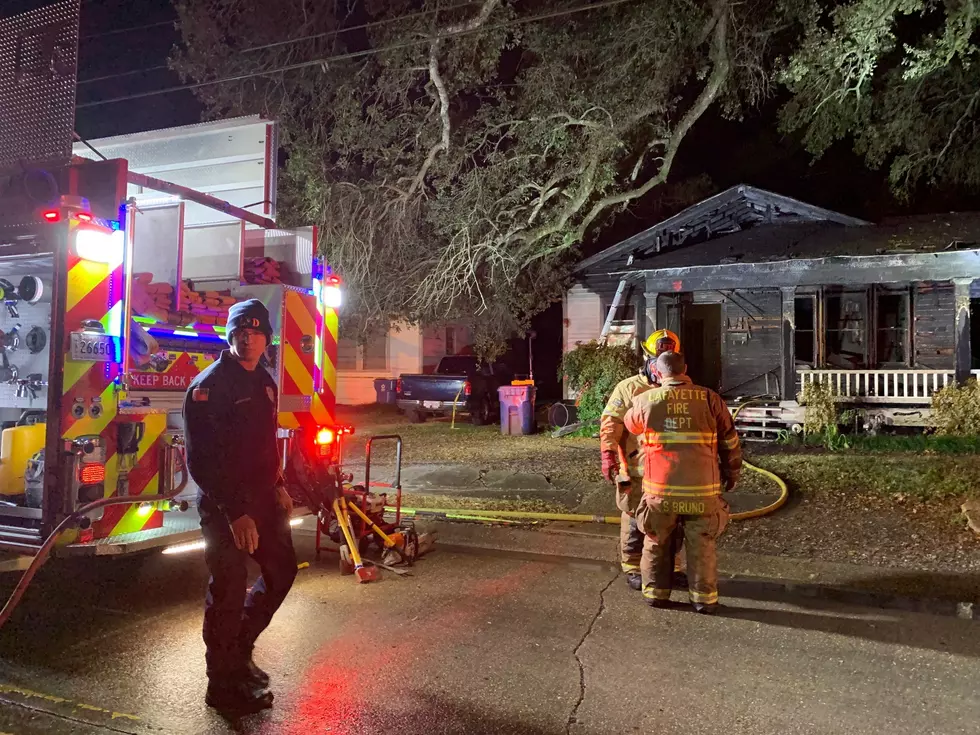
113, 300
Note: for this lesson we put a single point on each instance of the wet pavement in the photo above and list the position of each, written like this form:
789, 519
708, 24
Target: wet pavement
477, 641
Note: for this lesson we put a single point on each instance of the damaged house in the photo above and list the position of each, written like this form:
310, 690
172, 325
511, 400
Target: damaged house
768, 293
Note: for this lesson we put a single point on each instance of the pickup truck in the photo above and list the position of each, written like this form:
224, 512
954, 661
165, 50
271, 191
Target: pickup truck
459, 382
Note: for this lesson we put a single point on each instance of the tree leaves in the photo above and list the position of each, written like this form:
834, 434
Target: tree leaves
454, 176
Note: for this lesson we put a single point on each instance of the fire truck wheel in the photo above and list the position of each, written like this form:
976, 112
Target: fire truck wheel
346, 562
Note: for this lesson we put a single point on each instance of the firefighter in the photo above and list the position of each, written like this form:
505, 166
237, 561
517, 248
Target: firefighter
230, 415
692, 454
622, 460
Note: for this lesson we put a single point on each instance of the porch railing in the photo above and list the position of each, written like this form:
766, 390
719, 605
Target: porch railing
914, 387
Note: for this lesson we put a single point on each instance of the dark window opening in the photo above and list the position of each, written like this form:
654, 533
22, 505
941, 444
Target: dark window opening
846, 330
625, 312
805, 333
450, 341
892, 328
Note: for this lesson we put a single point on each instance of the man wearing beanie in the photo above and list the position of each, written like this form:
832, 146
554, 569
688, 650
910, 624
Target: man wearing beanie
230, 419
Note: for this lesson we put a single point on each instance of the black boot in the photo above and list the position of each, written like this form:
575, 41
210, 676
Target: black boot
705, 609
634, 580
659, 604
255, 675
240, 698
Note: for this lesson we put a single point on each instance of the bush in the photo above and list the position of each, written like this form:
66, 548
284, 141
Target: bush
593, 370
820, 403
956, 410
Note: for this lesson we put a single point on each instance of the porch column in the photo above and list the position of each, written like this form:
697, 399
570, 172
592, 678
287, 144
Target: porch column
788, 374
963, 353
650, 318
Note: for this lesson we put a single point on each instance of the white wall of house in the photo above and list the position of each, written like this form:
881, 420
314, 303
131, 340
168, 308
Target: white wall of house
582, 319
404, 350
387, 356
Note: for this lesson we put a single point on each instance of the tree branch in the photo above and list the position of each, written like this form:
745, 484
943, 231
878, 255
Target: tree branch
443, 144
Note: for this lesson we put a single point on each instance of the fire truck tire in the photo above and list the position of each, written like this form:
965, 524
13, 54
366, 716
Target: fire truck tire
346, 561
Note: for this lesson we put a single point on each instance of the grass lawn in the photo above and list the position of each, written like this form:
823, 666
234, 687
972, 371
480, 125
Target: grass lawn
876, 504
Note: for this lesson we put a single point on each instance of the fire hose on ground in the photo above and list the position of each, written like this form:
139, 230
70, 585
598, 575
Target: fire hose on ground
504, 516
45, 549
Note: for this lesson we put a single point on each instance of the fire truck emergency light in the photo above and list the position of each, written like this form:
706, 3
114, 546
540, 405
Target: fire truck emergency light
99, 246
330, 293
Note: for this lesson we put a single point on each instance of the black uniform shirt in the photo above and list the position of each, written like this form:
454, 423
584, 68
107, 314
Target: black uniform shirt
230, 420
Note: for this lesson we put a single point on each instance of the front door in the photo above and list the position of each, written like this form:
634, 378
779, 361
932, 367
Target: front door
701, 343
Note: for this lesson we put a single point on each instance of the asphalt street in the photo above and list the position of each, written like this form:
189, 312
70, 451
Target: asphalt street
477, 642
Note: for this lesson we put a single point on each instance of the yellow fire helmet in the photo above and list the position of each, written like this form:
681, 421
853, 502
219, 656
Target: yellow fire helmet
663, 340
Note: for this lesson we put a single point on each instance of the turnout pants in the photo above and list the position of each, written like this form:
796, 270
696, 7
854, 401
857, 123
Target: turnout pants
631, 538
233, 619
700, 534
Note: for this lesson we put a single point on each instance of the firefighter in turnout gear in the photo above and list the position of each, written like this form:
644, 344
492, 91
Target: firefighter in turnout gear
231, 420
692, 455
622, 457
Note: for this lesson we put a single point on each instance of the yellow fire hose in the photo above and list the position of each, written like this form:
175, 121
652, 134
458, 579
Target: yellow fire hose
505, 515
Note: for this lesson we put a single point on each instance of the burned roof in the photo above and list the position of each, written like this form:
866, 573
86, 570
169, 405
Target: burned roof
734, 209
809, 240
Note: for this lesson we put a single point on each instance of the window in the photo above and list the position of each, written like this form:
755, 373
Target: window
892, 327
376, 353
625, 312
346, 354
805, 318
846, 323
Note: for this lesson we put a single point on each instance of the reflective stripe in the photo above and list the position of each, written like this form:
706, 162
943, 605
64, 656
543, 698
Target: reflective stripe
703, 598
650, 487
652, 593
731, 443
627, 567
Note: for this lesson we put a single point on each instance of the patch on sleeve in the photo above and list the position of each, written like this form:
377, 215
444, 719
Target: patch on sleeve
199, 395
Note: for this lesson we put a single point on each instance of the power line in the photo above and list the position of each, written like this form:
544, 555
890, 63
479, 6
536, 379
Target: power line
356, 54
339, 31
372, 24
131, 29
118, 75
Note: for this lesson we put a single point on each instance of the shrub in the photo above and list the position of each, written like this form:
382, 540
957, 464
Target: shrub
593, 370
820, 402
956, 410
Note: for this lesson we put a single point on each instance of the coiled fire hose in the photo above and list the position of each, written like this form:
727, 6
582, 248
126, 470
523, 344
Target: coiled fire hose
42, 553
466, 514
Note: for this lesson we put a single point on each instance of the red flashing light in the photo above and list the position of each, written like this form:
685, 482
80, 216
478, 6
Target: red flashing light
467, 389
52, 215
84, 216
325, 436
91, 474
398, 386
333, 281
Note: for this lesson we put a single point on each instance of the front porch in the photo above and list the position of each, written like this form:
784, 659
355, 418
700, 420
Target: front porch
890, 387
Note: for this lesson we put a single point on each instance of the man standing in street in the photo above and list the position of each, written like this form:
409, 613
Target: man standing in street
692, 454
622, 454
230, 417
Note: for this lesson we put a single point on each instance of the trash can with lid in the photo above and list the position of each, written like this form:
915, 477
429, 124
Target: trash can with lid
516, 409
385, 389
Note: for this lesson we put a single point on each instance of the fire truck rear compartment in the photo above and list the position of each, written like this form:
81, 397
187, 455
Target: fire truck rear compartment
25, 347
